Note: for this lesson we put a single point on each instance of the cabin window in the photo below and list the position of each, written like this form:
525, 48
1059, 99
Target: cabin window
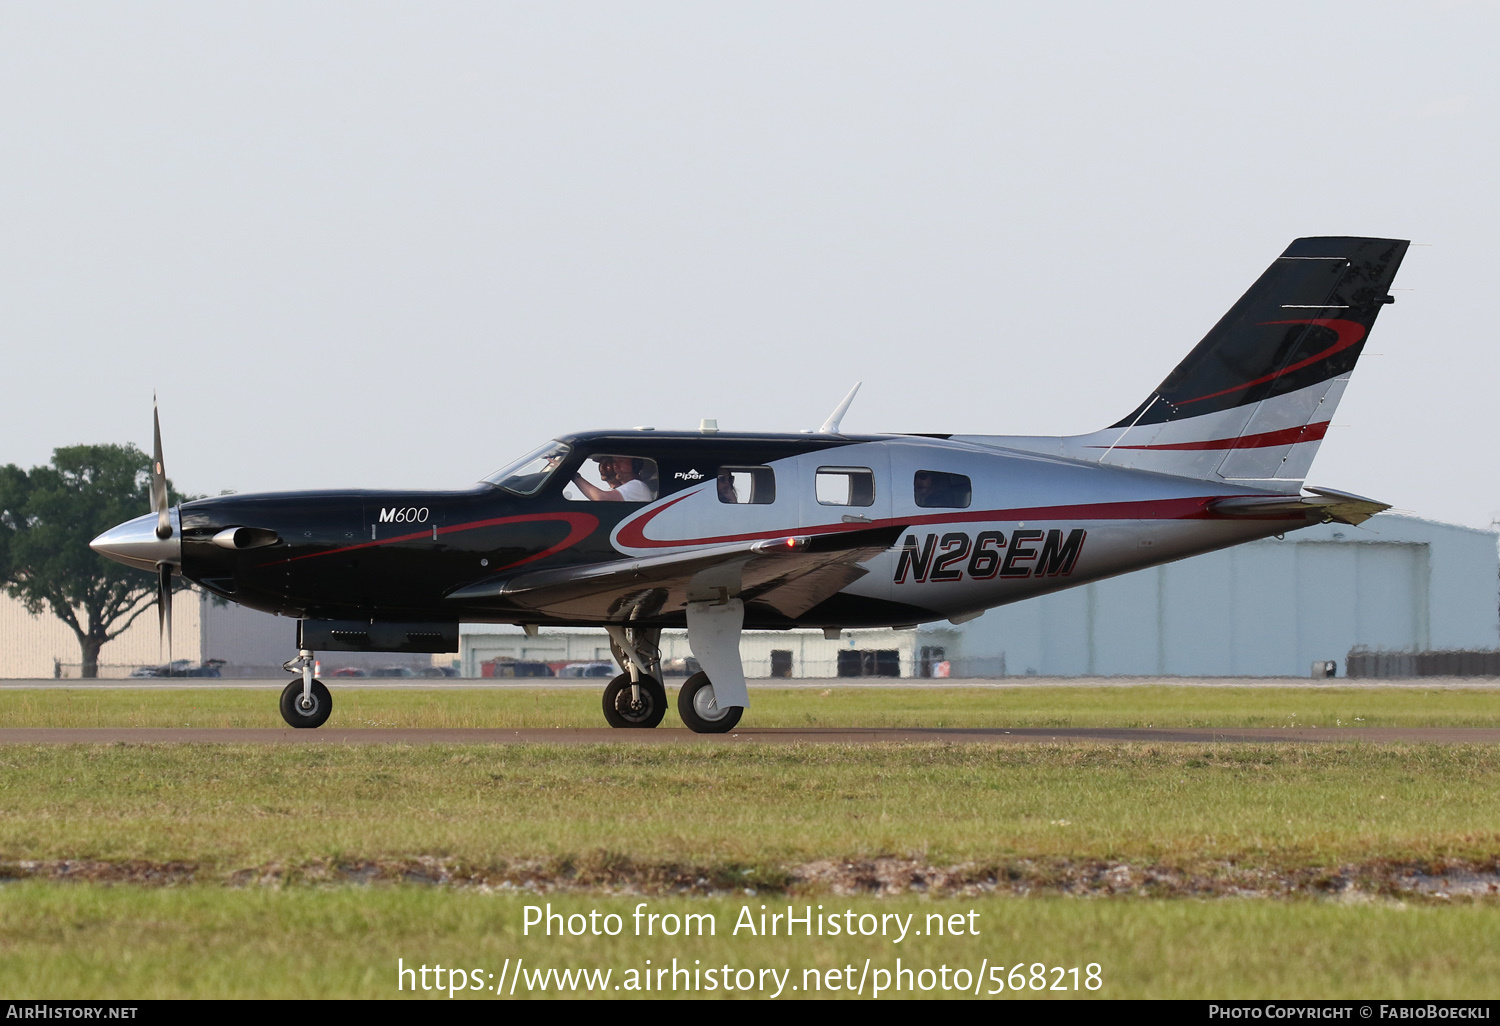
846, 486
753, 485
935, 489
612, 477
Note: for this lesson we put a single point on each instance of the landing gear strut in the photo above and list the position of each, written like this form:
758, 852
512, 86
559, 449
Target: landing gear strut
636, 697
305, 702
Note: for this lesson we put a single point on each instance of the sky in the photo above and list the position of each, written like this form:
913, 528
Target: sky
398, 244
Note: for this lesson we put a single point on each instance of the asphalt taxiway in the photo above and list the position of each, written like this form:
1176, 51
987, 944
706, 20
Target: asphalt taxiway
754, 736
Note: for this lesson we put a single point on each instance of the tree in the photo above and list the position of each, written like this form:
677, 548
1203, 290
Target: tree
49, 515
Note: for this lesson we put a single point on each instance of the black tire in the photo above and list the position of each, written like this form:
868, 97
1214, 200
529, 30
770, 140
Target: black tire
695, 704
291, 705
619, 711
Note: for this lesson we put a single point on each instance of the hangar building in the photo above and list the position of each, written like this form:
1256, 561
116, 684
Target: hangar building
1269, 608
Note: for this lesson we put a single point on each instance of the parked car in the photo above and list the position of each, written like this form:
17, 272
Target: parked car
590, 669
181, 668
506, 667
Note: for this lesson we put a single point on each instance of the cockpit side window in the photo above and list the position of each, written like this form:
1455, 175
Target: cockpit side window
527, 475
612, 477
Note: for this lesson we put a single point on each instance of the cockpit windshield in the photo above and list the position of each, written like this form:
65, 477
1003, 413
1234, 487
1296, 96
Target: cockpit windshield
527, 475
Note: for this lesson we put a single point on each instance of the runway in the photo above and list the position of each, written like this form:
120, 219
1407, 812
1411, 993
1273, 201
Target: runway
754, 736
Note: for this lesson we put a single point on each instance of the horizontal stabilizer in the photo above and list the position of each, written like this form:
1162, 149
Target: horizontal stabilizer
1324, 505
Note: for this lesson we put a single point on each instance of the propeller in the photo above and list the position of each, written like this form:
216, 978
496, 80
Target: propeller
159, 479
164, 606
163, 531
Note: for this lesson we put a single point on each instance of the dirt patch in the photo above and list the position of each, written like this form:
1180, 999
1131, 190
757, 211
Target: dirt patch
607, 873
131, 871
1087, 878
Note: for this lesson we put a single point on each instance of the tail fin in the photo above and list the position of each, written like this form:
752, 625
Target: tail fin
1252, 401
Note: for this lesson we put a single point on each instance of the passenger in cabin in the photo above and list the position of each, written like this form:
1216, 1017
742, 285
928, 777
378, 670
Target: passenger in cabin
726, 487
626, 477
935, 489
923, 486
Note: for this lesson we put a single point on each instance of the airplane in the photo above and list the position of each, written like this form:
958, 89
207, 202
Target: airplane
718, 532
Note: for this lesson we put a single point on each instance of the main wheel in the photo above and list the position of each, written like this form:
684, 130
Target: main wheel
696, 706
313, 715
621, 711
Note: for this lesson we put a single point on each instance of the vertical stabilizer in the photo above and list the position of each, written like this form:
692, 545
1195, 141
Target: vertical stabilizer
1253, 400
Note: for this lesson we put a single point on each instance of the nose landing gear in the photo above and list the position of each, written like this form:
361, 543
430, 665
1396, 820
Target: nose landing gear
305, 703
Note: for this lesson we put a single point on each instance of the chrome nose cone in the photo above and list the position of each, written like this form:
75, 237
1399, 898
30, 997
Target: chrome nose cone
135, 543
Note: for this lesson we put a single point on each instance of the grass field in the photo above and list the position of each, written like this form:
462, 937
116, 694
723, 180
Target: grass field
1365, 705
234, 806
262, 845
345, 942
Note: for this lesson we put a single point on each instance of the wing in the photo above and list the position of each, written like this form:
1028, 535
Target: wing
790, 575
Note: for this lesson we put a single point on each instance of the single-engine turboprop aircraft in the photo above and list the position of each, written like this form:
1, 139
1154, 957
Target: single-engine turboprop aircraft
636, 531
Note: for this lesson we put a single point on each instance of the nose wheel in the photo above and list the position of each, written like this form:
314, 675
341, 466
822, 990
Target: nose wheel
623, 709
699, 710
305, 702
306, 710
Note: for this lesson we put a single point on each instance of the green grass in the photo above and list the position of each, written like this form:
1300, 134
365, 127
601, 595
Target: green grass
97, 942
1160, 706
236, 806
743, 813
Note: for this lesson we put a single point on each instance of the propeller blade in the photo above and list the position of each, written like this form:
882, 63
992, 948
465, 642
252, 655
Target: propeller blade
159, 479
164, 605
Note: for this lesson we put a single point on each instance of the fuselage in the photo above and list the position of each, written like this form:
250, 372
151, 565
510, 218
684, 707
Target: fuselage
981, 526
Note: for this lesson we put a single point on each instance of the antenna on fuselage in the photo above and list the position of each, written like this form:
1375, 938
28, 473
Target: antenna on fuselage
831, 425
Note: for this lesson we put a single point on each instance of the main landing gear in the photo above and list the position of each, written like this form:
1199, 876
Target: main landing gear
696, 706
639, 703
305, 702
636, 698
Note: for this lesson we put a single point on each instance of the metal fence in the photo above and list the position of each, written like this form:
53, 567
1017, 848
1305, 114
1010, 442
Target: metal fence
1387, 665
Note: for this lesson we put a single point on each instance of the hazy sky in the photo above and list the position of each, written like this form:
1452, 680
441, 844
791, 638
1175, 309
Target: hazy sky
375, 244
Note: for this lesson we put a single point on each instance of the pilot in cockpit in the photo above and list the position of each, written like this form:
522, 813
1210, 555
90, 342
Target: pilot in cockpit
624, 476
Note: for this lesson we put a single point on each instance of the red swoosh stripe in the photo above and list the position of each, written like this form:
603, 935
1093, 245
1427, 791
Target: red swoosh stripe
1349, 332
1286, 436
580, 526
632, 533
